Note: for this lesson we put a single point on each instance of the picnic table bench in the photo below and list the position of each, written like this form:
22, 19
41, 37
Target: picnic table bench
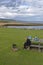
38, 47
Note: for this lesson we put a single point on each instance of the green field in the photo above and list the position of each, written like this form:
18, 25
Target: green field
21, 57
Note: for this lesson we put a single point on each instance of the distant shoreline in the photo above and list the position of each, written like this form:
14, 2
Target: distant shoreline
20, 24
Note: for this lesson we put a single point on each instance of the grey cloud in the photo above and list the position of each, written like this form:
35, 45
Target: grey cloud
15, 8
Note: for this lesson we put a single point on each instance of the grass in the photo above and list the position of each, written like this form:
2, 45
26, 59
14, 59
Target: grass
22, 57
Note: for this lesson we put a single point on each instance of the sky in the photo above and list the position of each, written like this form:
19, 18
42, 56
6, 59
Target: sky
24, 10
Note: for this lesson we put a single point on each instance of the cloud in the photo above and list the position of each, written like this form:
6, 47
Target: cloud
5, 1
34, 9
29, 0
7, 12
30, 10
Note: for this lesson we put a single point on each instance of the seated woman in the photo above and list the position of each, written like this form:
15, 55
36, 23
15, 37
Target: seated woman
27, 44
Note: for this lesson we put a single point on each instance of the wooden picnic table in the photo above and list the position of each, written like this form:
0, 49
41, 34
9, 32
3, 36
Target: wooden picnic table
37, 47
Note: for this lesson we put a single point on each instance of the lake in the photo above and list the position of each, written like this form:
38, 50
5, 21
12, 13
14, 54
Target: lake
26, 27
